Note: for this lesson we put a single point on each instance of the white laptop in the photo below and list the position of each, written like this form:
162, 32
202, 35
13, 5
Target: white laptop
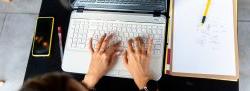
126, 19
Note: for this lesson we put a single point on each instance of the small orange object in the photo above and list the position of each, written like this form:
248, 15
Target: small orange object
39, 39
46, 44
36, 38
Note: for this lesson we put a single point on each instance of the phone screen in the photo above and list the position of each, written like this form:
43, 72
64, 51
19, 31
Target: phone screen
43, 37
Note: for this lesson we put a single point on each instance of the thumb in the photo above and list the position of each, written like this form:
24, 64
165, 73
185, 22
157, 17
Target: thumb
114, 57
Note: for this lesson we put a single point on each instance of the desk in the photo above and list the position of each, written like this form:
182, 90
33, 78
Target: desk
166, 83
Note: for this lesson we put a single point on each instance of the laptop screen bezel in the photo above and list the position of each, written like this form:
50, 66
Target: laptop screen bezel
74, 7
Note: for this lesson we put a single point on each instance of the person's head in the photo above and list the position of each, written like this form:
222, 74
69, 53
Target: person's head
53, 82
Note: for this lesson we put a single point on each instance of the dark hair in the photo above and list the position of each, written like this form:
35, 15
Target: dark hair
49, 82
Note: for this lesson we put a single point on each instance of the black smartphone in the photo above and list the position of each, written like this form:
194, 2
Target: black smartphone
43, 37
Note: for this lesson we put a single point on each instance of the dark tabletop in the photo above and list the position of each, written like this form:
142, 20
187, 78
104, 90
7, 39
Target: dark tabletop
39, 66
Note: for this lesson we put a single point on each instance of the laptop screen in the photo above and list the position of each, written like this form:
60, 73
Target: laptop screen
122, 5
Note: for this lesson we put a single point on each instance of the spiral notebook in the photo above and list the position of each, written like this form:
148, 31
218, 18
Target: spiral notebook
208, 50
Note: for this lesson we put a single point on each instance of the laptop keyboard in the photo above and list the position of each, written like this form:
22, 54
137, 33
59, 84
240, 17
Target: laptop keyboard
81, 30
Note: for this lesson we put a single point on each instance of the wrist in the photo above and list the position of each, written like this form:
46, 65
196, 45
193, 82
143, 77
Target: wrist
151, 86
143, 82
90, 81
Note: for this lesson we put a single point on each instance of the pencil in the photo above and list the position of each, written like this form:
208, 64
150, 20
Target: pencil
206, 11
60, 41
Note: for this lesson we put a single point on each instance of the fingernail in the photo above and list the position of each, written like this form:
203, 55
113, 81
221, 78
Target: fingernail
117, 43
2, 83
118, 53
121, 49
130, 40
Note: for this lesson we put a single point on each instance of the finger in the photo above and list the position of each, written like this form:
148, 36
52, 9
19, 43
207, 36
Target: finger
137, 45
113, 48
99, 44
114, 58
150, 46
91, 45
105, 43
142, 45
130, 47
125, 58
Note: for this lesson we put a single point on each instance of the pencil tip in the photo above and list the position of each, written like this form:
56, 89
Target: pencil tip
201, 24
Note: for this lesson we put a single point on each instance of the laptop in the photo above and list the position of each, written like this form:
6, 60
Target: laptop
126, 19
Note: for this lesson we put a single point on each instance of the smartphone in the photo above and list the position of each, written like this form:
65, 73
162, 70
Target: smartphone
43, 37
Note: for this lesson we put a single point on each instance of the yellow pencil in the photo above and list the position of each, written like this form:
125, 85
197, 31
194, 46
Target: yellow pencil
206, 11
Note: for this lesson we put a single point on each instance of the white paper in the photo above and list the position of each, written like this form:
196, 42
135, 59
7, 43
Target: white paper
207, 49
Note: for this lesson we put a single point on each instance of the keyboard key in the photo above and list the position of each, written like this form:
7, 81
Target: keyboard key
157, 41
157, 46
157, 52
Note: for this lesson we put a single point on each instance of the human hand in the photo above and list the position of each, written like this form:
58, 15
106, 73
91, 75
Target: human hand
137, 60
6, 1
103, 59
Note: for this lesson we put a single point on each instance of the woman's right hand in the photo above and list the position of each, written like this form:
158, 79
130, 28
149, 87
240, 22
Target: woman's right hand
137, 59
104, 57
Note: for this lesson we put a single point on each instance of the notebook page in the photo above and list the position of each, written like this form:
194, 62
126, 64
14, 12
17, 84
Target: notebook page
207, 49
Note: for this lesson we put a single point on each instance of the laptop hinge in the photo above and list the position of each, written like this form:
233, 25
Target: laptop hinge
80, 9
157, 13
